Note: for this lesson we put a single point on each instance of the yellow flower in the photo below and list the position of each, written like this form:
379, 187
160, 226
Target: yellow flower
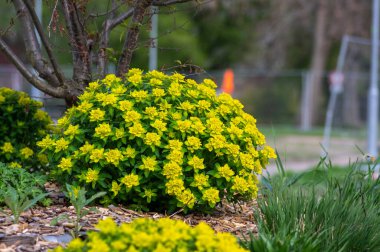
119, 89
114, 156
107, 226
187, 198
193, 93
110, 78
211, 195
15, 165
149, 163
152, 139
61, 144
62, 121
175, 156
97, 245
41, 115
23, 100
103, 130
140, 95
186, 105
172, 170
177, 77
93, 86
7, 147
86, 96
132, 116
247, 161
225, 172
214, 125
209, 83
75, 244
86, 148
155, 82
158, 92
97, 115
115, 188
151, 112
184, 126
196, 163
26, 152
135, 79
216, 142
239, 185
193, 143
134, 71
72, 130
92, 175
159, 125
65, 164
200, 181
125, 105
174, 186
233, 149
130, 152
109, 99
156, 74
137, 130
97, 155
84, 107
175, 144
175, 89
119, 133
2, 99
130, 180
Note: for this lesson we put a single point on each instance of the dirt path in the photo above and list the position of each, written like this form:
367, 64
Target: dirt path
299, 152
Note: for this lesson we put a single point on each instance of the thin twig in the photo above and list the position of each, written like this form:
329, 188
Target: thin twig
52, 16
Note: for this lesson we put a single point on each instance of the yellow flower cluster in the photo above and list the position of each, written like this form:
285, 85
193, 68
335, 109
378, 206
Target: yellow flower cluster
159, 140
23, 123
163, 235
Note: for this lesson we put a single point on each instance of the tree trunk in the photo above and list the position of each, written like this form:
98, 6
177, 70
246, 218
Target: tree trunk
319, 54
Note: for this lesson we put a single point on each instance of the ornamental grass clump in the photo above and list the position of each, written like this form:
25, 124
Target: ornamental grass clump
156, 236
160, 142
23, 123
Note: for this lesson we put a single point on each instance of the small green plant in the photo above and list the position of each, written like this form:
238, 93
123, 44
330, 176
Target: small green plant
160, 142
331, 215
23, 123
154, 235
77, 197
21, 180
18, 202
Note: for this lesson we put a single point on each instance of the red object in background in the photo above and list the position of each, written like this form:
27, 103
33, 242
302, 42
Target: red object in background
228, 85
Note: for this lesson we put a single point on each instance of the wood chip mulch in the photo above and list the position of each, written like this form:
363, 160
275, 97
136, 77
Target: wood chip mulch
35, 231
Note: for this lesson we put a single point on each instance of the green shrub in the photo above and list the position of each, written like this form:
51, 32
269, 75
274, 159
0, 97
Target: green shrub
336, 215
150, 235
159, 142
23, 123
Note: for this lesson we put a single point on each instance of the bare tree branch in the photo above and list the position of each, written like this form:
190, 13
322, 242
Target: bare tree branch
132, 35
104, 39
45, 42
169, 2
33, 49
119, 19
29, 76
78, 42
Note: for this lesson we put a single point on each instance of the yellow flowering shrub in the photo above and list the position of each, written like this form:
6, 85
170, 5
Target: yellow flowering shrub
23, 123
163, 235
159, 142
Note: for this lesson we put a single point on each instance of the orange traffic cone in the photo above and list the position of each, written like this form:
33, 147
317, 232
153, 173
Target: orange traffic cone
228, 85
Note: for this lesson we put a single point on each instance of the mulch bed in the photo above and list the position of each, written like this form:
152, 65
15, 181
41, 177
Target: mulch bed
35, 232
